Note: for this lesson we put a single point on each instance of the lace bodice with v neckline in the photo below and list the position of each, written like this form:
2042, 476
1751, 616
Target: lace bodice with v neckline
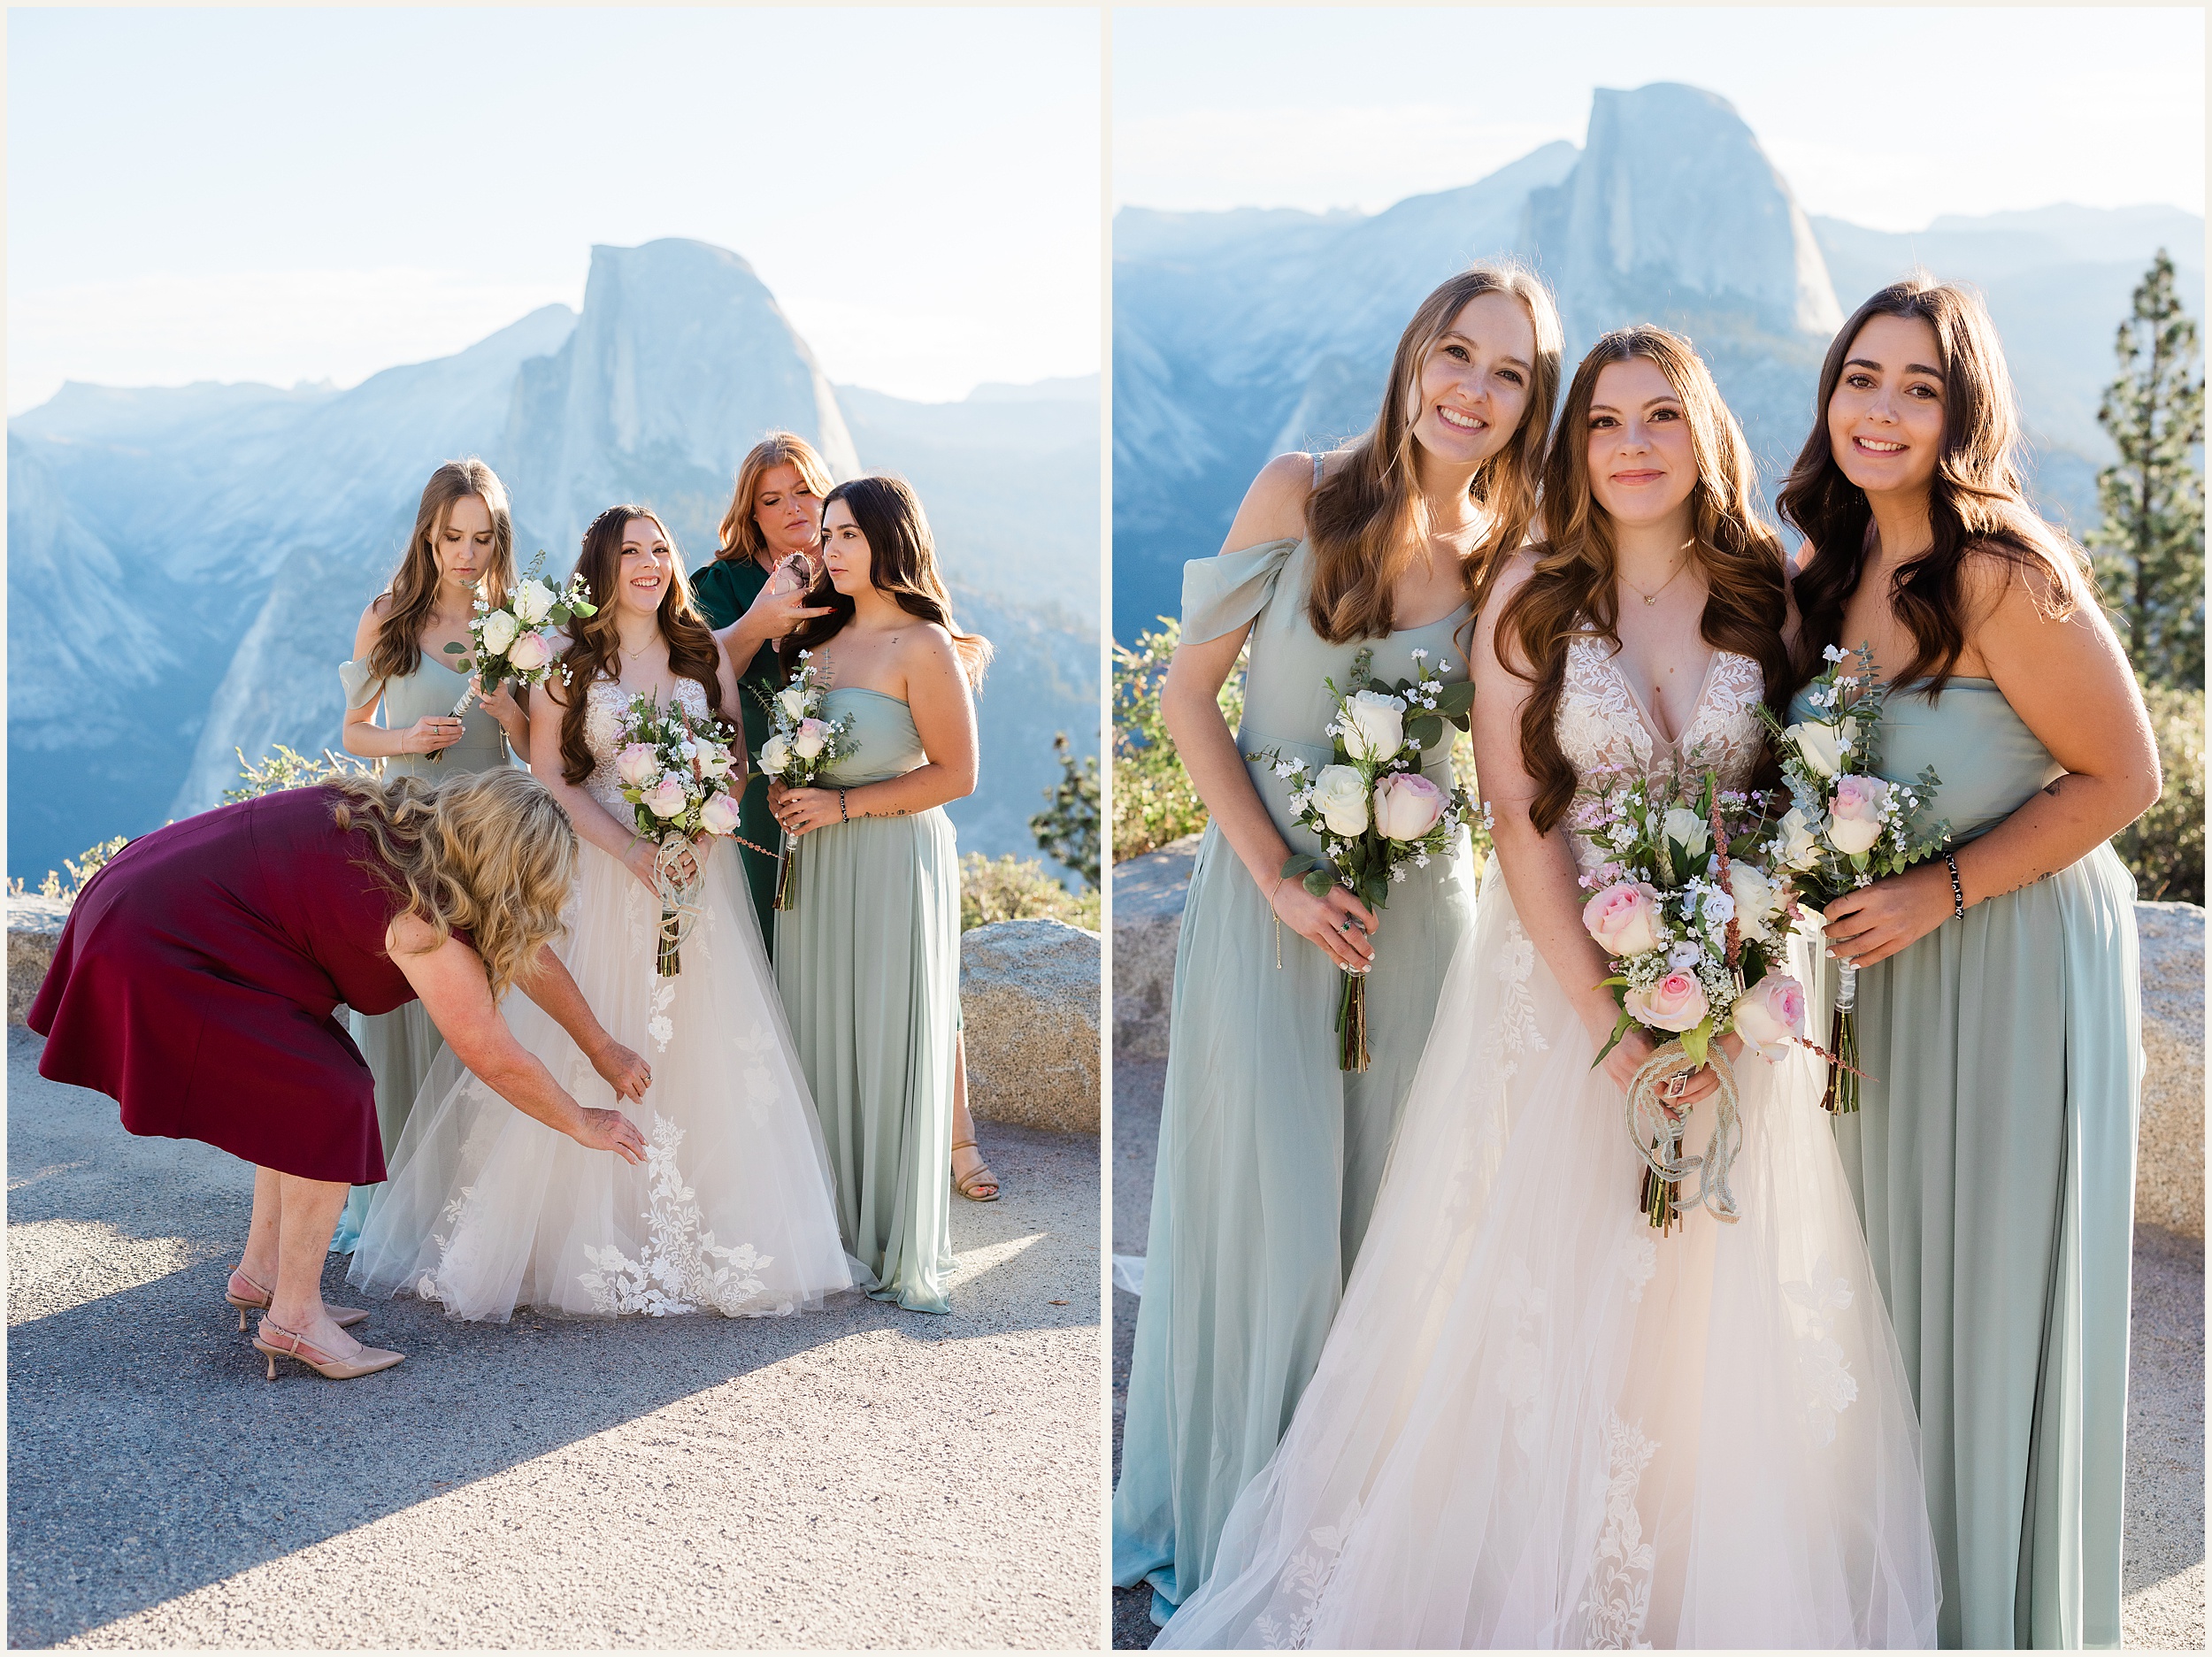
606, 703
1607, 735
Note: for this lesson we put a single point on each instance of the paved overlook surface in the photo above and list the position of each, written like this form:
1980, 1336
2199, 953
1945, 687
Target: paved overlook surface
860, 1477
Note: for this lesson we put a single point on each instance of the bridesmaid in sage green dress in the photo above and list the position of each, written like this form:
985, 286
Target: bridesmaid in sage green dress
867, 959
461, 545
1270, 1156
770, 535
1993, 1150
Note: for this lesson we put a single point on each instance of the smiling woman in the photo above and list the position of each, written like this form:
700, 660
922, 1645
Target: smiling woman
1269, 1154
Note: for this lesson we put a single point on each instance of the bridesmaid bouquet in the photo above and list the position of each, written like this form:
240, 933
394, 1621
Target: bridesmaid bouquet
1374, 812
509, 642
1685, 904
801, 745
1846, 826
680, 780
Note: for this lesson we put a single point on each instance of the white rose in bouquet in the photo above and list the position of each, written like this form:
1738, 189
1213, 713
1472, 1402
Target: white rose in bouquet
809, 738
1407, 805
666, 798
775, 753
1374, 725
1756, 901
719, 815
1800, 849
1339, 794
533, 601
792, 700
1687, 829
1818, 744
714, 759
638, 764
499, 629
530, 653
1771, 1015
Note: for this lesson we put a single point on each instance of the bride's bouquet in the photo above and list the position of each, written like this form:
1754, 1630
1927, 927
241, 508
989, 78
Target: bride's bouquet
1686, 903
1847, 826
681, 782
510, 642
801, 745
1374, 812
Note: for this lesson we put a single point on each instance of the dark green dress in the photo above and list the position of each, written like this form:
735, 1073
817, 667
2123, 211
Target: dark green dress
724, 590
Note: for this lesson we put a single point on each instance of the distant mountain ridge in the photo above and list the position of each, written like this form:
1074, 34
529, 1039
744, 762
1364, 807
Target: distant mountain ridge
186, 566
1244, 333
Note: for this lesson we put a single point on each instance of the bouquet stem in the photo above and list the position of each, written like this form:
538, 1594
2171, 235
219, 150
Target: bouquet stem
1659, 1197
668, 961
1351, 1023
1842, 1097
788, 875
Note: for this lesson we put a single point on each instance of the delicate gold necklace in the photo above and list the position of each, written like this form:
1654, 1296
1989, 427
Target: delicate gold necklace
1652, 597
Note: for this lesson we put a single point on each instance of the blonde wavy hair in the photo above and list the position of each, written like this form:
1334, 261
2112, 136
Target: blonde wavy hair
490, 852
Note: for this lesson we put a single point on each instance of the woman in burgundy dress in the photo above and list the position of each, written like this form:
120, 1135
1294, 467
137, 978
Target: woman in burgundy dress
195, 981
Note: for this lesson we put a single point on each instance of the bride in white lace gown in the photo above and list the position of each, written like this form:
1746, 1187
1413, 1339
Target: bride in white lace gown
1538, 1422
485, 1209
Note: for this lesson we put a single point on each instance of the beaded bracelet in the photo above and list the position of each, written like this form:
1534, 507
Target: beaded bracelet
842, 817
1958, 892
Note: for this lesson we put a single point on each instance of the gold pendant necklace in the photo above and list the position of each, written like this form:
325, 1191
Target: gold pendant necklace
1652, 597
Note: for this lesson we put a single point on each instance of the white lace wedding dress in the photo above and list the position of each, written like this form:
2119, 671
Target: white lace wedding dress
485, 1210
1539, 1423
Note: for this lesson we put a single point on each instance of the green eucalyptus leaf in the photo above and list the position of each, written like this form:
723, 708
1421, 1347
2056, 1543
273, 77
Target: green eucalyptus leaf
1318, 882
455, 650
1426, 732
1300, 862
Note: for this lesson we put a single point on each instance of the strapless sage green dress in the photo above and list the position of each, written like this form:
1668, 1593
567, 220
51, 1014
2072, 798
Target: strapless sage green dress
1269, 1154
869, 966
400, 1045
1993, 1158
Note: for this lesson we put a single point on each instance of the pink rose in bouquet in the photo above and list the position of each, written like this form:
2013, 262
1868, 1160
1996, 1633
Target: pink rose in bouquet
1771, 1015
638, 764
1674, 1002
1624, 918
1407, 805
1854, 814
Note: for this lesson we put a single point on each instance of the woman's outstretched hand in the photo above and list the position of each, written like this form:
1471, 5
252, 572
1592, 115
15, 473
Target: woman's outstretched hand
610, 1131
624, 1072
1336, 922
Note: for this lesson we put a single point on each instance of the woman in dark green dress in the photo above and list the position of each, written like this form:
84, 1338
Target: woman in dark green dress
752, 594
1993, 1152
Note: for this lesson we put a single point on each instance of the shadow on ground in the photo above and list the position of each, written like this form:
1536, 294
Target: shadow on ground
149, 1458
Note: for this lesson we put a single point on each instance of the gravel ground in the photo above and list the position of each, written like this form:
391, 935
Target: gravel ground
861, 1477
2162, 1606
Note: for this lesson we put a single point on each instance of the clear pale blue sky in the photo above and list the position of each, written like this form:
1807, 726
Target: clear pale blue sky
1883, 115
285, 195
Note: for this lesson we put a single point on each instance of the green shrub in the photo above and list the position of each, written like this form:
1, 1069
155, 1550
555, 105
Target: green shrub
1067, 828
1153, 801
1019, 890
280, 768
2164, 847
81, 868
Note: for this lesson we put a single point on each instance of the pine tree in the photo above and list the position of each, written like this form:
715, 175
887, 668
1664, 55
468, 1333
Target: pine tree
2151, 538
1067, 828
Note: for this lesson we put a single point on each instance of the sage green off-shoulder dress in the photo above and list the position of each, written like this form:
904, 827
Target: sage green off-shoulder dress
399, 1046
1269, 1155
1993, 1158
869, 966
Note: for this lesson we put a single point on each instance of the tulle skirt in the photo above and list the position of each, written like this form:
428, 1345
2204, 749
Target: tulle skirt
486, 1208
1536, 1423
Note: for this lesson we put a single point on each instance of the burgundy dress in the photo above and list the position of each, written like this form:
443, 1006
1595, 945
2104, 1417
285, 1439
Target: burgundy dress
194, 982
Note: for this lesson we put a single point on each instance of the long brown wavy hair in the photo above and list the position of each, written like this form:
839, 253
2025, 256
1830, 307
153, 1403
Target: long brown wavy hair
413, 588
490, 852
1572, 592
741, 535
1976, 504
902, 565
1366, 516
595, 646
